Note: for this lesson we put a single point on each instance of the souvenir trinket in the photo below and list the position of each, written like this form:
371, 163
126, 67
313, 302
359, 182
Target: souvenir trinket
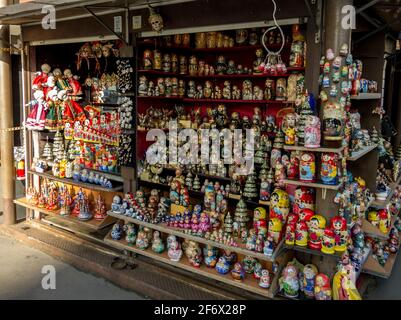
289, 282
210, 256
279, 205
339, 227
301, 234
264, 281
222, 266
238, 272
307, 167
275, 229
329, 171
312, 132
174, 250
308, 282
157, 243
344, 287
328, 241
317, 224
117, 232
322, 288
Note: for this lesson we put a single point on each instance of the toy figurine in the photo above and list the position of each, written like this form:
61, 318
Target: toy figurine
329, 171
343, 287
275, 229
339, 227
100, 208
259, 221
281, 89
257, 64
117, 232
279, 205
288, 127
268, 247
230, 257
221, 66
130, 234
322, 288
247, 91
193, 253
317, 224
290, 234
222, 266
227, 90
157, 243
264, 281
174, 251
312, 132
142, 241
301, 234
238, 273
308, 283
307, 168
257, 272
328, 241
210, 256
289, 282
269, 92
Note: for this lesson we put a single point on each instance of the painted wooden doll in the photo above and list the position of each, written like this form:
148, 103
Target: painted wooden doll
307, 168
329, 168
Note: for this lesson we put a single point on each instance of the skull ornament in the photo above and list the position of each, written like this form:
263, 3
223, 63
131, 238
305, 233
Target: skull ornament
155, 20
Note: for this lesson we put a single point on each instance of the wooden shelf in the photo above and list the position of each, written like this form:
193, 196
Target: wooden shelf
179, 233
236, 101
320, 150
367, 96
160, 73
374, 232
249, 283
92, 224
239, 48
361, 153
159, 98
90, 186
246, 76
313, 252
383, 204
312, 185
374, 268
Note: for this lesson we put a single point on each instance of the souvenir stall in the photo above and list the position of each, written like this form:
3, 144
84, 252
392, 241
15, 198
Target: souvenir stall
79, 140
307, 222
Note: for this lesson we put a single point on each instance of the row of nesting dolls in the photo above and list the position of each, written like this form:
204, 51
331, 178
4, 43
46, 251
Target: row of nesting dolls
279, 90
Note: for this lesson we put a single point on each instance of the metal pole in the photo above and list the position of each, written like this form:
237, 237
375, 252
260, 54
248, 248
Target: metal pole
6, 121
335, 35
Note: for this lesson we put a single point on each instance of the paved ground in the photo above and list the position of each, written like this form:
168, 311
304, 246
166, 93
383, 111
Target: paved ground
21, 277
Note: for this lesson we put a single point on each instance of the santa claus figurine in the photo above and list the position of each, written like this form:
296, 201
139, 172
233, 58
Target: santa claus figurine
37, 117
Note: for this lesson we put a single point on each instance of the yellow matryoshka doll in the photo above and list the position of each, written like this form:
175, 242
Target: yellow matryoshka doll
301, 234
328, 241
373, 218
275, 229
260, 221
279, 205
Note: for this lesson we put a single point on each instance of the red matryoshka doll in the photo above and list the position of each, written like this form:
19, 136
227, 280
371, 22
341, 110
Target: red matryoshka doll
306, 215
307, 167
301, 234
279, 205
275, 230
316, 228
290, 234
329, 169
260, 221
293, 218
293, 167
304, 199
384, 220
328, 241
339, 226
312, 132
322, 288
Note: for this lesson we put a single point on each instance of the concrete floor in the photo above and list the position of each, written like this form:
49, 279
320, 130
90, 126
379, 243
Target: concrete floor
21, 277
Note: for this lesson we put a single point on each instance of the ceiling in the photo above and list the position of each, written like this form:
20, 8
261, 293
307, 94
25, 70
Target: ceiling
31, 11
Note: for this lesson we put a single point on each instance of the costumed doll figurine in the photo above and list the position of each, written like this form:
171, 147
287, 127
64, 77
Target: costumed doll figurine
37, 117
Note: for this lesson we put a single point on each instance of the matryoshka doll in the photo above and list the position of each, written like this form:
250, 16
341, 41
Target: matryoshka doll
306, 215
281, 89
304, 199
279, 205
322, 288
316, 228
312, 132
308, 282
147, 60
329, 168
290, 234
384, 221
328, 241
157, 60
275, 230
339, 226
307, 167
288, 128
293, 167
373, 218
289, 282
259, 221
301, 234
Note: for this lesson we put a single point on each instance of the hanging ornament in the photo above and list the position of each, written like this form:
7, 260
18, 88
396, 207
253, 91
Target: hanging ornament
155, 20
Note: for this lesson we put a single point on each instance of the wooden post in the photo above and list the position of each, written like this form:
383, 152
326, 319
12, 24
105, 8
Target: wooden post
6, 121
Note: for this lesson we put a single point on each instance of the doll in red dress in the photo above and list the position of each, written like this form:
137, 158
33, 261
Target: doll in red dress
37, 117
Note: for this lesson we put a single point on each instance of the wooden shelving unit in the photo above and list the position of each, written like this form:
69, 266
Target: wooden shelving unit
180, 233
235, 101
313, 252
159, 73
374, 268
383, 204
92, 224
374, 232
361, 153
312, 185
247, 76
249, 283
320, 150
367, 96
71, 182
